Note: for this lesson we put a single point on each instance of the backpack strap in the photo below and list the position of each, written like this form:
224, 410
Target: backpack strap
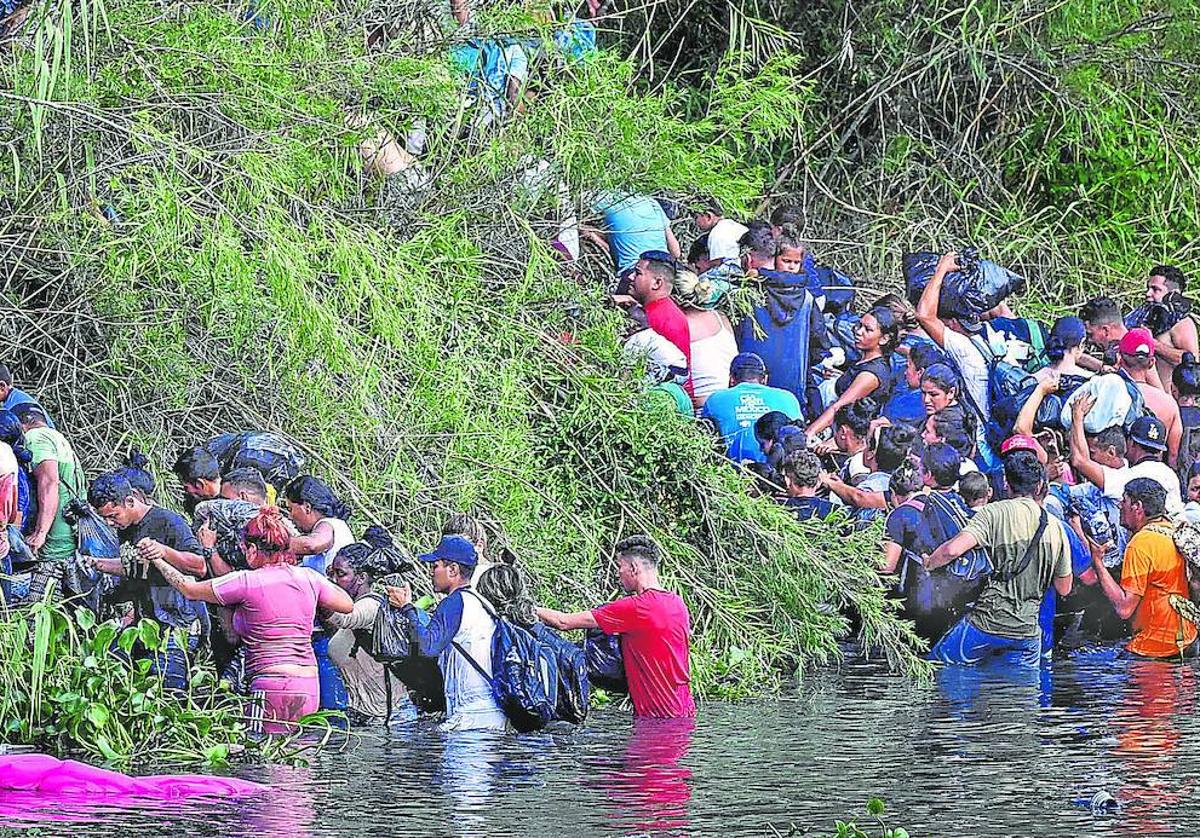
474, 663
1008, 576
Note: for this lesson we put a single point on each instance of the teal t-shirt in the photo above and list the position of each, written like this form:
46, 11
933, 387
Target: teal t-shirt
47, 444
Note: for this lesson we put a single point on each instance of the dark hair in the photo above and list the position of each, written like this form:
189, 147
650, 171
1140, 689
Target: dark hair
1024, 474
707, 203
699, 248
1171, 274
640, 547
505, 588
942, 377
1065, 334
766, 427
1112, 437
894, 444
787, 214
1150, 494
802, 468
889, 327
790, 239
857, 416
1100, 310
906, 479
249, 479
136, 470
973, 486
29, 412
760, 239
314, 492
941, 462
951, 427
5, 374
1186, 376
376, 555
901, 309
196, 463
925, 355
661, 269
110, 487
12, 433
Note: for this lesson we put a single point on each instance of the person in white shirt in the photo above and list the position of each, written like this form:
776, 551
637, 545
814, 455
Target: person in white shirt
1144, 449
955, 337
723, 233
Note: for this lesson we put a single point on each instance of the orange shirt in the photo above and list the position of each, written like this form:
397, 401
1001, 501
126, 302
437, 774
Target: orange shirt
1153, 570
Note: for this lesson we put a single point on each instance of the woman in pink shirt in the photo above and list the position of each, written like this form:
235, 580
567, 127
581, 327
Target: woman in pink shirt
274, 604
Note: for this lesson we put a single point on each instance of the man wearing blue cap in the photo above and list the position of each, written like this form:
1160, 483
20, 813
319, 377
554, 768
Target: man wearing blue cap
734, 411
461, 626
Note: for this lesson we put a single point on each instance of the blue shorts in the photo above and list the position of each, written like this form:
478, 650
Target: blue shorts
966, 645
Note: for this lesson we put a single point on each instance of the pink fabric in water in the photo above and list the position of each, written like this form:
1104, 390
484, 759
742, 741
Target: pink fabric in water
274, 611
46, 775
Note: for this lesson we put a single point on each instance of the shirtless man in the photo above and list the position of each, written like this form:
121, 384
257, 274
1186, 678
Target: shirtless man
1137, 353
1170, 346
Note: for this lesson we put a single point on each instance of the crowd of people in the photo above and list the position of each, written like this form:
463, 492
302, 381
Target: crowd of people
1038, 483
268, 582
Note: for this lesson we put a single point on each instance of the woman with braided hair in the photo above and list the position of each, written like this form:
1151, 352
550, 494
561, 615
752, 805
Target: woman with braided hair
275, 604
355, 569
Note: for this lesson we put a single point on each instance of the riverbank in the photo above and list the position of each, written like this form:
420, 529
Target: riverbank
235, 268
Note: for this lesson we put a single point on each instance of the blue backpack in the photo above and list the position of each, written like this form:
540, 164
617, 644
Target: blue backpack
524, 675
574, 687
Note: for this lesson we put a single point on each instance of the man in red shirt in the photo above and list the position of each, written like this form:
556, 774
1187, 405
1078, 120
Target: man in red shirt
650, 286
655, 628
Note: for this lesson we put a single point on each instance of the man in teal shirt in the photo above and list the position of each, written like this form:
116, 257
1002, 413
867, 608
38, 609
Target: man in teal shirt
735, 410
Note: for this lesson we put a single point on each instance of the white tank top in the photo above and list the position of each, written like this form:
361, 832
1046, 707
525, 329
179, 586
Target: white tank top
711, 357
341, 537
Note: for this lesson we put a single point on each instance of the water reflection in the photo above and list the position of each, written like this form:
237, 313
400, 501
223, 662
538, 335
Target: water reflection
991, 751
649, 789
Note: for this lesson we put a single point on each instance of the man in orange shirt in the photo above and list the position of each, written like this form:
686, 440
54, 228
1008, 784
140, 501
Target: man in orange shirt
1153, 570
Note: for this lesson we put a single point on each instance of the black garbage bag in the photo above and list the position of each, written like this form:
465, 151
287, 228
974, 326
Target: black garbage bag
95, 540
389, 644
1161, 317
606, 667
270, 454
978, 285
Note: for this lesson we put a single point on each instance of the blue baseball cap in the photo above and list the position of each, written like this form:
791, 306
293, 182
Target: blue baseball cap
452, 548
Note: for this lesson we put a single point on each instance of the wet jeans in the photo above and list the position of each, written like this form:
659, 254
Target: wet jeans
966, 645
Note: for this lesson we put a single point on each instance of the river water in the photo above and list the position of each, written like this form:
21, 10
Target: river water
1002, 753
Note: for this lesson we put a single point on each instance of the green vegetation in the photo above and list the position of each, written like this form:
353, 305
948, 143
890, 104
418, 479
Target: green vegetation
428, 352
254, 280
68, 686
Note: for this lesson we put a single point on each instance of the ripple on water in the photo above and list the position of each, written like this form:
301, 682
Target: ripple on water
997, 752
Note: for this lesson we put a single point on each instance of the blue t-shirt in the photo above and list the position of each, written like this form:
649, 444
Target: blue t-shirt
734, 412
635, 224
16, 397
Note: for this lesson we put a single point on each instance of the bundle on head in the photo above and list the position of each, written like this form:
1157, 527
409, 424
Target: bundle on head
377, 555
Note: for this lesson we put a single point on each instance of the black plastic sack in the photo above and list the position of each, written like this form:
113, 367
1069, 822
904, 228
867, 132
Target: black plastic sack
270, 454
1161, 317
978, 285
935, 599
391, 646
605, 666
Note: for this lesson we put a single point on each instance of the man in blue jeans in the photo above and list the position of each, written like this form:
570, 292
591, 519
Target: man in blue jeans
1029, 552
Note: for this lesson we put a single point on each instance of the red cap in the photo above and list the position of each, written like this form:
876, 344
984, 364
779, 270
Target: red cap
1024, 442
1137, 341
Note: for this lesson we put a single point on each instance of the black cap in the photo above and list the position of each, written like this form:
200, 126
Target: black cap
1149, 432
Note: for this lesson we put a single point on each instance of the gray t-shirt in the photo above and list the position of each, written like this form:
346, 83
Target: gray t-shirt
1005, 528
